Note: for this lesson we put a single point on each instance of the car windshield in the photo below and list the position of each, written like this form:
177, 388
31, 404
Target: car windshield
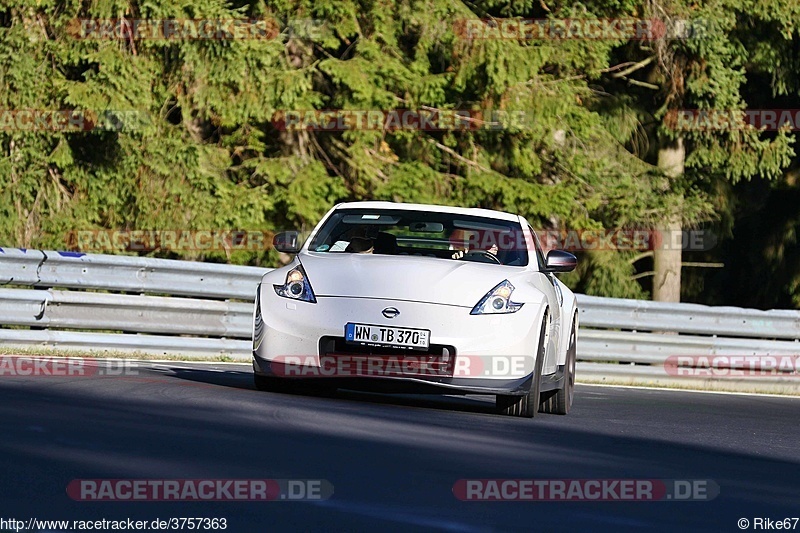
422, 233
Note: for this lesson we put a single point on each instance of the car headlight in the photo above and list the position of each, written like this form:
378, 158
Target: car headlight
296, 286
497, 301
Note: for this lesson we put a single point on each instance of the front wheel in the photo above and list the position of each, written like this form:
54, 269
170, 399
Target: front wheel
527, 405
561, 402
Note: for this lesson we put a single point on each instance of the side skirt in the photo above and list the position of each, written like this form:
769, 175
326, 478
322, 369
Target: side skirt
553, 381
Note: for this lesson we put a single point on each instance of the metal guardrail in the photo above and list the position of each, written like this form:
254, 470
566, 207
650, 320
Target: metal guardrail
642, 315
145, 344
654, 349
140, 314
656, 375
19, 266
142, 275
201, 321
179, 307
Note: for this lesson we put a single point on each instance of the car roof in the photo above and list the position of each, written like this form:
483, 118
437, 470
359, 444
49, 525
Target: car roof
473, 211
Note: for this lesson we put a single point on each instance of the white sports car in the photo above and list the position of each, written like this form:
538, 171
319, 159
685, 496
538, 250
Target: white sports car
416, 298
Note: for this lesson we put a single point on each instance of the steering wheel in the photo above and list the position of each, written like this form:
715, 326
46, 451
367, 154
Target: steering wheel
480, 256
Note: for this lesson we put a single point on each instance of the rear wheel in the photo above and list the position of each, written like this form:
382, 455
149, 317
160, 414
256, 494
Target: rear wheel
527, 405
561, 402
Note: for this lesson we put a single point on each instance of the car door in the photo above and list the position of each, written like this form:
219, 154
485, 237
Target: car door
546, 283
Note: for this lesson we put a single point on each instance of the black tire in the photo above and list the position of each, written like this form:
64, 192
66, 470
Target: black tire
561, 401
526, 405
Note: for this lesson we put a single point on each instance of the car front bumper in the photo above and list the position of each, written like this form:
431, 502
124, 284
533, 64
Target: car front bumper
482, 354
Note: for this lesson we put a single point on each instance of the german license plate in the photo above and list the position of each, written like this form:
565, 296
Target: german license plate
387, 336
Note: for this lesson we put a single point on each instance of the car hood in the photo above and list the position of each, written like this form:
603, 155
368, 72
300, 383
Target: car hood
402, 277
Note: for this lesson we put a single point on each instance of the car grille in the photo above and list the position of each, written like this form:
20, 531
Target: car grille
438, 359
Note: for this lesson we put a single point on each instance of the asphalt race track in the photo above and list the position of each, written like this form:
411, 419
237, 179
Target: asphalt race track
393, 460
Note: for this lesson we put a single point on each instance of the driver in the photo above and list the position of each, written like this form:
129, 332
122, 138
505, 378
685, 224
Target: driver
459, 254
460, 241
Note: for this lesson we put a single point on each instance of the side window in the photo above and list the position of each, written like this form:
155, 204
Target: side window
539, 253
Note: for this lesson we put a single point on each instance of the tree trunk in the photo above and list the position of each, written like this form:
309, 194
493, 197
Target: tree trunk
667, 257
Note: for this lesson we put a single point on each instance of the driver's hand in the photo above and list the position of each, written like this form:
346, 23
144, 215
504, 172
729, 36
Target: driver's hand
459, 254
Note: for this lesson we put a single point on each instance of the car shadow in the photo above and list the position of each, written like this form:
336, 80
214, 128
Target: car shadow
243, 380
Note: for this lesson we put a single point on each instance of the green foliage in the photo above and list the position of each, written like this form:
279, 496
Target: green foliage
606, 273
570, 145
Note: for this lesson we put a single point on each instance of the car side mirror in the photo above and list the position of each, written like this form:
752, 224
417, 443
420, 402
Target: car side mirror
560, 261
287, 242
